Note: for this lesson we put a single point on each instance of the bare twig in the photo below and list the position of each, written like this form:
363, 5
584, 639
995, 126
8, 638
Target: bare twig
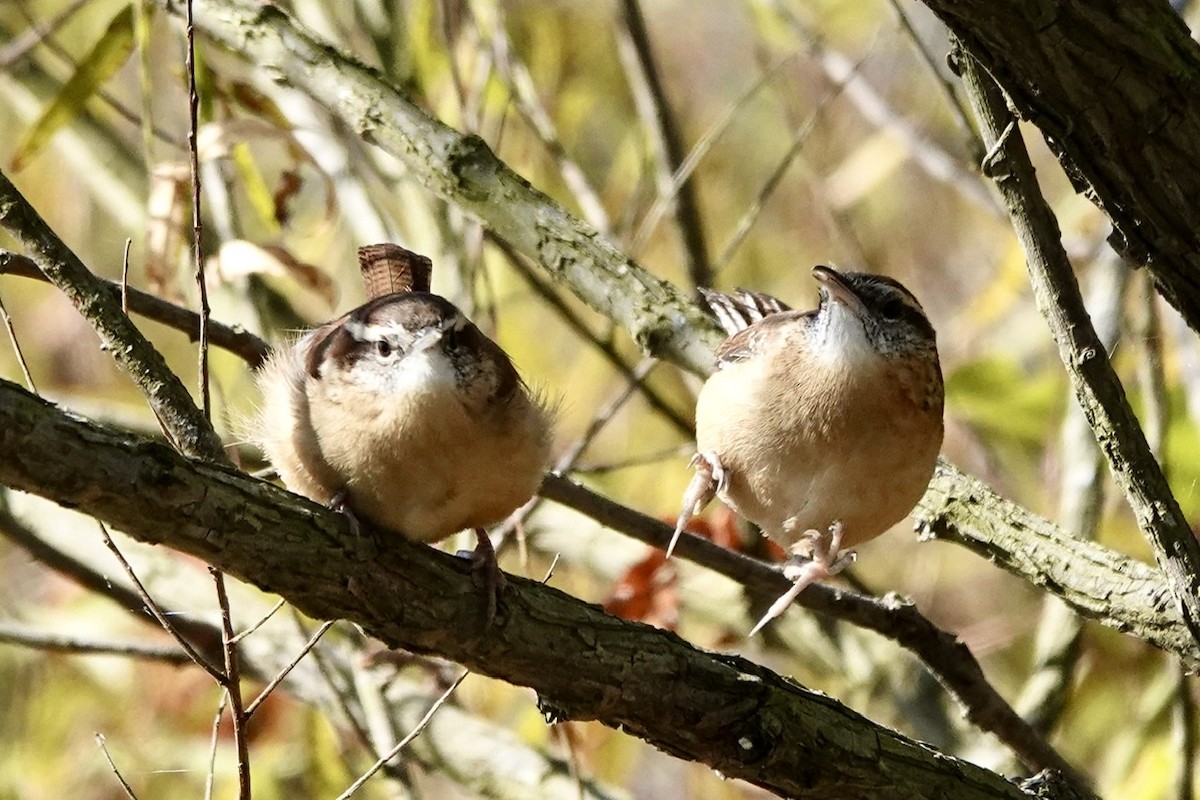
125, 278
651, 100
1097, 387
112, 764
683, 173
799, 137
233, 686
16, 346
530, 106
243, 344
262, 621
210, 778
152, 607
400, 745
961, 114
172, 404
42, 640
283, 673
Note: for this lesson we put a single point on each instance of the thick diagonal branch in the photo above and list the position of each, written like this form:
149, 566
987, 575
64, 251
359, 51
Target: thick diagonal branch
734, 715
171, 402
1114, 87
1097, 387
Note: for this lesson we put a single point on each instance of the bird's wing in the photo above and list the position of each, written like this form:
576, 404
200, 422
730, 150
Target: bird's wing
749, 341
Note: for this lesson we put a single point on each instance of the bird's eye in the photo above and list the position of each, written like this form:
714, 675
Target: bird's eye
892, 309
383, 348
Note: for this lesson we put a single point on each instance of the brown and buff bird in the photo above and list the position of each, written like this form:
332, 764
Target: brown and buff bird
821, 427
402, 412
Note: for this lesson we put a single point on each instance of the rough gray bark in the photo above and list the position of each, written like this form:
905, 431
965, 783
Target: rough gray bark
732, 714
1114, 86
1095, 581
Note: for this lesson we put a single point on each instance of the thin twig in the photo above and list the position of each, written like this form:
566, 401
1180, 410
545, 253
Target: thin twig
651, 101
187, 427
1098, 390
677, 451
42, 640
197, 222
112, 764
400, 745
750, 215
152, 607
212, 746
656, 401
262, 621
336, 689
283, 673
649, 221
243, 344
530, 107
16, 346
550, 569
125, 278
961, 114
566, 462
233, 685
875, 109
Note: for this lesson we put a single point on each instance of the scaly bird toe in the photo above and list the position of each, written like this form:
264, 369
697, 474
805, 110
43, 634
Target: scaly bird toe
827, 560
709, 479
486, 572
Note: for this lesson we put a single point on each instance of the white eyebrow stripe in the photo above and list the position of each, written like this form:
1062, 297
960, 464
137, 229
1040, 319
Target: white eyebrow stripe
361, 332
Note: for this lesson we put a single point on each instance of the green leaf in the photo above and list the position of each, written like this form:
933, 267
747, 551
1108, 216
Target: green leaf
105, 58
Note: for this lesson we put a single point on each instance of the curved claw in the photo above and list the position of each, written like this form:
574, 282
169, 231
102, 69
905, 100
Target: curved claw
709, 479
828, 559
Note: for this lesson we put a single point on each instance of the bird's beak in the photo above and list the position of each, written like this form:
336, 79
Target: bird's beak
836, 287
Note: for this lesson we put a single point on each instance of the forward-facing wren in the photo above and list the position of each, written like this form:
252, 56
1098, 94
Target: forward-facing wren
403, 412
821, 427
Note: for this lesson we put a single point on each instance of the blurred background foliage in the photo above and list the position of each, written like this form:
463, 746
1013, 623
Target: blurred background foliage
819, 132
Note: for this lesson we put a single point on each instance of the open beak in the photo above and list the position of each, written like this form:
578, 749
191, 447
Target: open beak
836, 287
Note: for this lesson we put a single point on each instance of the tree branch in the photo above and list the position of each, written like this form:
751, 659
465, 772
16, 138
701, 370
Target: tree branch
1098, 390
732, 714
463, 170
1097, 582
183, 422
1101, 78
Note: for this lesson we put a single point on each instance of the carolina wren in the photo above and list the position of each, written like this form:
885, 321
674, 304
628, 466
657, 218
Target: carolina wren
403, 412
821, 427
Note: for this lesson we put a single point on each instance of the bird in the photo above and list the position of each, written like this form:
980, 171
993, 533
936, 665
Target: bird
821, 427
402, 412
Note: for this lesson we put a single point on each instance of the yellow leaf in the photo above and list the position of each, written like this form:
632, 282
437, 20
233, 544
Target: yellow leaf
105, 58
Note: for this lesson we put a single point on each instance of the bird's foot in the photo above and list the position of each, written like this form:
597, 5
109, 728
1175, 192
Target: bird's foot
710, 478
826, 559
366, 547
486, 573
